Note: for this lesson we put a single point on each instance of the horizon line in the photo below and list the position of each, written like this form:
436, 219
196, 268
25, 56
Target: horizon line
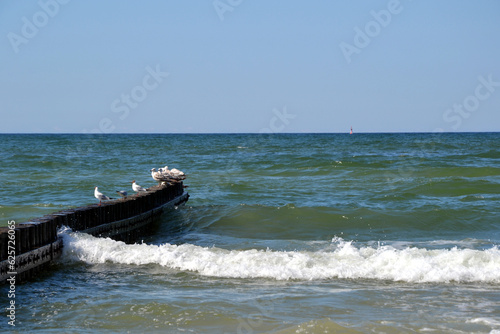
237, 133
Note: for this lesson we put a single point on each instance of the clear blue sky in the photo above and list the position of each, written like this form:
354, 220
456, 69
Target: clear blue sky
249, 66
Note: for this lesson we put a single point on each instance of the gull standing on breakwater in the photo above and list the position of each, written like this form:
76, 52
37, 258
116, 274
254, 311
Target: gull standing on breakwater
100, 196
137, 188
177, 173
156, 175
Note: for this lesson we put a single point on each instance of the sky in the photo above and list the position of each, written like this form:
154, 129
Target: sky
239, 66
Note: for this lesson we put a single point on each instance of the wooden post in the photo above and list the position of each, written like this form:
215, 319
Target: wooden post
3, 243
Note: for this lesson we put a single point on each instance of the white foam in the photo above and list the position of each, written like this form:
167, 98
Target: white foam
484, 321
342, 260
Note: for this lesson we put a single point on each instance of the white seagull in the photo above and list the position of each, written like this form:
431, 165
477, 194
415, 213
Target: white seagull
156, 175
100, 196
136, 187
177, 173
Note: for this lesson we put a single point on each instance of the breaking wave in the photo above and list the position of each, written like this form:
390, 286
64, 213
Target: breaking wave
342, 259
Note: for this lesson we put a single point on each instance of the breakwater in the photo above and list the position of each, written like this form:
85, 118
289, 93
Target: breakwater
28, 248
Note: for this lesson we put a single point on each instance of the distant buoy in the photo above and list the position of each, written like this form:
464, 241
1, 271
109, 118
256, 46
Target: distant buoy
351, 131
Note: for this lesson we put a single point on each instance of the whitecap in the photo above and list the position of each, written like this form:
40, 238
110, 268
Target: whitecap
343, 260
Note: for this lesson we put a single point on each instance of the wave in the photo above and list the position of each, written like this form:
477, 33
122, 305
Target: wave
289, 221
340, 260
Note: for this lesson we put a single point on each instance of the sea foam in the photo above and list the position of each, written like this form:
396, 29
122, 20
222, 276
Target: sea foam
342, 260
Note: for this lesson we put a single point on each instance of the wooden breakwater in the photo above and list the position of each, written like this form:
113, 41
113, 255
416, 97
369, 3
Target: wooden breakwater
27, 248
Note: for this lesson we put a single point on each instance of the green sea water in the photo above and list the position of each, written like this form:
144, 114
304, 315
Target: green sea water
283, 233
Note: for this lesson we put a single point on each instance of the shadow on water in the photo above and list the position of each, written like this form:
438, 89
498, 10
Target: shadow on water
210, 224
174, 225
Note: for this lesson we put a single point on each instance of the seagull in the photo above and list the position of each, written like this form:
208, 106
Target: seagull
100, 196
156, 175
176, 172
122, 193
136, 187
162, 171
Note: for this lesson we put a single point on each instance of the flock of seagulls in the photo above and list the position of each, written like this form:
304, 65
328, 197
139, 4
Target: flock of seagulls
163, 175
167, 175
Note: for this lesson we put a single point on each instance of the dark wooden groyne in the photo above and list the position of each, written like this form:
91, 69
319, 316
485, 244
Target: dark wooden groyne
36, 242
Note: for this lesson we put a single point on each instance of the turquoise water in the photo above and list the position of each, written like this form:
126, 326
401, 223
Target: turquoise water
283, 233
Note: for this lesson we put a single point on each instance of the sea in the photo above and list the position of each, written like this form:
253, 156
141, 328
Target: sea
282, 233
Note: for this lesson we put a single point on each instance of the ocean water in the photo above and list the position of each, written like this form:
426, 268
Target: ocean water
283, 233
